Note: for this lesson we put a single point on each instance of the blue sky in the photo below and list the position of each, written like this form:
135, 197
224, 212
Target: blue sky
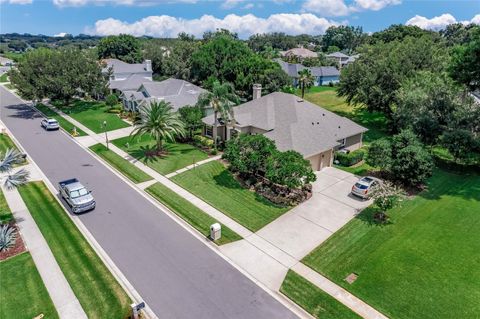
169, 17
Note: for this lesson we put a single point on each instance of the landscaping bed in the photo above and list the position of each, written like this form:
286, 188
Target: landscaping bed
314, 300
99, 293
17, 248
213, 183
23, 295
193, 215
92, 115
424, 263
132, 172
177, 155
65, 124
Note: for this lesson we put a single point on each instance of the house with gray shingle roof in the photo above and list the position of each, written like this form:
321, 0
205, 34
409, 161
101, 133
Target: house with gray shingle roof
177, 92
293, 124
300, 53
342, 59
324, 75
126, 76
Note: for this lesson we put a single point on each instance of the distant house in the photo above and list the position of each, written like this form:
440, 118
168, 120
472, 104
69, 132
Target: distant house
300, 53
127, 76
341, 58
293, 124
324, 75
178, 92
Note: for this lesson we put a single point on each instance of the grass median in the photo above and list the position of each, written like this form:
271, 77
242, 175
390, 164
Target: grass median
100, 295
23, 294
65, 124
5, 213
314, 300
200, 220
125, 167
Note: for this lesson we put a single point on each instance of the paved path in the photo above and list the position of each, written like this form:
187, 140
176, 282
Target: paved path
172, 270
60, 292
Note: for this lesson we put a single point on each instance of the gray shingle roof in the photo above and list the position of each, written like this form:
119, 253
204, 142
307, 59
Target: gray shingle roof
133, 82
337, 55
123, 67
294, 124
293, 69
301, 52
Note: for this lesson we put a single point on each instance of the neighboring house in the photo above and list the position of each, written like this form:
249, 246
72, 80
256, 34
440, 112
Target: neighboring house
300, 53
178, 92
127, 76
324, 75
293, 124
342, 59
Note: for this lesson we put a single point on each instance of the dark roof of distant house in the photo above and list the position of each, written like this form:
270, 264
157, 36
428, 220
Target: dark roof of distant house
292, 69
294, 124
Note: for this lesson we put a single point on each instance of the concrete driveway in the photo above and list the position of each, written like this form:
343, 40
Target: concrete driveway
309, 224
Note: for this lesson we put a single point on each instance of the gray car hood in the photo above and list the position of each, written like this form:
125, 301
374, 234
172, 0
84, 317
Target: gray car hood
82, 200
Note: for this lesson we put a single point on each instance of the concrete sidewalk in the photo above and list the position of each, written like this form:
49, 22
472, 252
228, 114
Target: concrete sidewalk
60, 292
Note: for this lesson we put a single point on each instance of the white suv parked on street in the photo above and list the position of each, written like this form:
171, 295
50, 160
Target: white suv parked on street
50, 124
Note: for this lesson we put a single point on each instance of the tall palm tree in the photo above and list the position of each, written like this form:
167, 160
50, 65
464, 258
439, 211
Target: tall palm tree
221, 99
20, 177
305, 78
159, 121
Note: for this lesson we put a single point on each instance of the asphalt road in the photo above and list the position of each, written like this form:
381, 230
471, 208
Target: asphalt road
176, 274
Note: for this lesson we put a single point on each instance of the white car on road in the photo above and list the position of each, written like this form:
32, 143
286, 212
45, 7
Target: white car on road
50, 124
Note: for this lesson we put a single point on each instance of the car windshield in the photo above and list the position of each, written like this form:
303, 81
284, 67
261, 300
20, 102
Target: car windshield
361, 186
52, 121
78, 192
367, 179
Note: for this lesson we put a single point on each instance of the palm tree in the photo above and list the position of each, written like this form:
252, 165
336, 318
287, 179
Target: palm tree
159, 121
10, 158
305, 78
221, 99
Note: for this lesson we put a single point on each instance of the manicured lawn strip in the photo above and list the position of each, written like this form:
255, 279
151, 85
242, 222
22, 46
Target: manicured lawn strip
423, 265
178, 155
213, 183
125, 167
360, 170
193, 215
97, 290
314, 300
9, 86
5, 213
4, 78
23, 295
92, 115
65, 124
327, 98
6, 143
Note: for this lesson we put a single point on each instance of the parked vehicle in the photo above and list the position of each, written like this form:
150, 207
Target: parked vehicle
76, 195
50, 124
363, 188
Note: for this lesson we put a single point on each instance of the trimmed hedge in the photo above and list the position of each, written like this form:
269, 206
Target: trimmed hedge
351, 158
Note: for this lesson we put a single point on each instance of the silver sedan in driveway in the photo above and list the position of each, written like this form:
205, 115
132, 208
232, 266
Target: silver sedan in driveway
364, 186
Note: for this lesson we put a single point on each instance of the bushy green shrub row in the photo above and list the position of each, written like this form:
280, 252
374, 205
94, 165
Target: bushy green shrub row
351, 158
202, 141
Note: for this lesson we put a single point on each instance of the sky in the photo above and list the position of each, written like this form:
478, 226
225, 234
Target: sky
167, 18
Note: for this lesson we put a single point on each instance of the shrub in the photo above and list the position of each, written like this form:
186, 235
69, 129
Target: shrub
380, 154
290, 169
8, 237
460, 143
111, 100
351, 158
115, 111
412, 165
202, 141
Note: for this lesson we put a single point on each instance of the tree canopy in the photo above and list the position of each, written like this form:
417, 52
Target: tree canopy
345, 38
123, 47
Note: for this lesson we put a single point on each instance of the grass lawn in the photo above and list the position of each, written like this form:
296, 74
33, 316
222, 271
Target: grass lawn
66, 125
216, 185
179, 155
327, 98
314, 300
125, 167
5, 213
23, 295
4, 78
200, 220
97, 290
9, 86
359, 170
92, 115
6, 143
426, 264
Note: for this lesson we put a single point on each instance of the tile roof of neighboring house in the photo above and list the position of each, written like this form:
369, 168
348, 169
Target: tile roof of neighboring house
293, 69
301, 52
132, 82
294, 124
178, 92
337, 55
123, 67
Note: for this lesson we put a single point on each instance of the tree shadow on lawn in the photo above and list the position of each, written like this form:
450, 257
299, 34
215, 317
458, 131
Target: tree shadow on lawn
368, 217
146, 154
79, 106
465, 186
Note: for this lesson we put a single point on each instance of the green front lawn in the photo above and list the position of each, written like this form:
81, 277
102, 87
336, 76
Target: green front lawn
65, 124
6, 143
314, 300
178, 155
4, 78
23, 294
426, 264
92, 115
213, 183
193, 215
5, 213
125, 167
327, 98
97, 290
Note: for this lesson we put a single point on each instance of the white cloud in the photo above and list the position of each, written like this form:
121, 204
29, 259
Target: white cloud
337, 8
246, 25
80, 3
440, 22
16, 1
60, 35
229, 4
248, 6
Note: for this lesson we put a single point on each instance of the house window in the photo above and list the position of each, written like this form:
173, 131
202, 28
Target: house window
208, 130
342, 142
